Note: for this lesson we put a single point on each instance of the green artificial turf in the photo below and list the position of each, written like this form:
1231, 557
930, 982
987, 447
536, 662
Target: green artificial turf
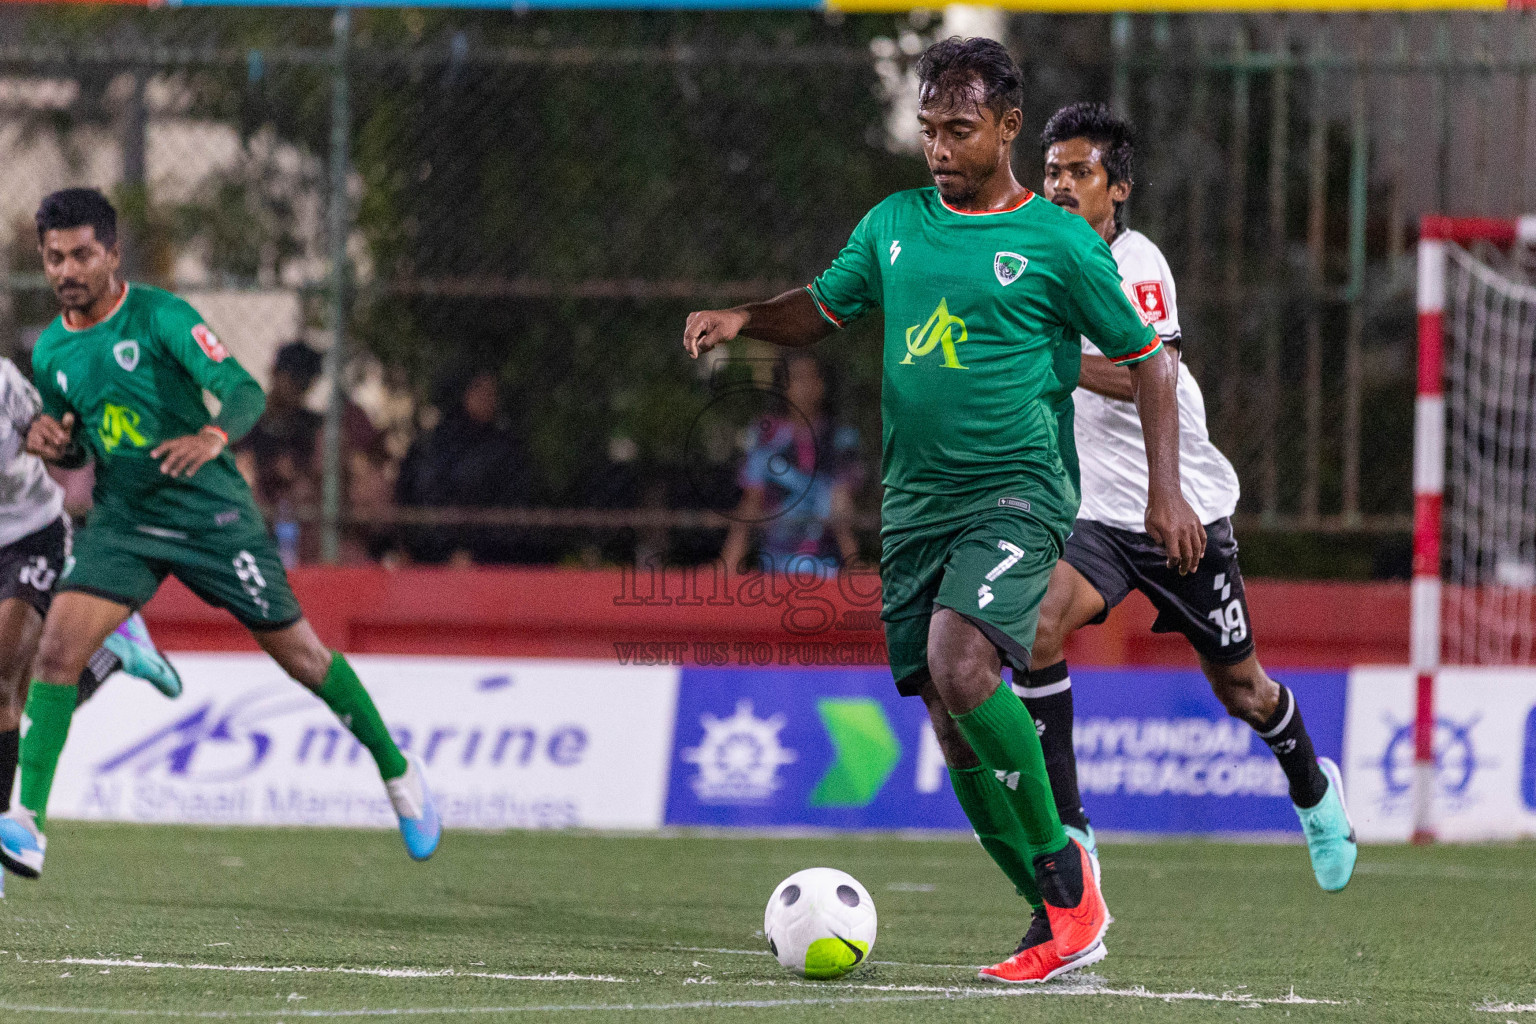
1434, 934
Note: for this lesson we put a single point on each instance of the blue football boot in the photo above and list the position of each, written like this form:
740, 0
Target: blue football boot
420, 826
140, 657
1330, 834
21, 844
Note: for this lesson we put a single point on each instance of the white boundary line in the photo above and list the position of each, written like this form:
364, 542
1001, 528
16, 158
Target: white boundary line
376, 972
1492, 1007
881, 963
1080, 990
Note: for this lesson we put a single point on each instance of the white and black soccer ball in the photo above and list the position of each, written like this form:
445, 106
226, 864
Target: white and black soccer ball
820, 923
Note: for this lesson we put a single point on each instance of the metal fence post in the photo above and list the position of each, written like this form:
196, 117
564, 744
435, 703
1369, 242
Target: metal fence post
1354, 291
1279, 156
1317, 205
340, 223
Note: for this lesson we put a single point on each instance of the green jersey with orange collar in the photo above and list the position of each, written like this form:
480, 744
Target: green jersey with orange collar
134, 380
983, 315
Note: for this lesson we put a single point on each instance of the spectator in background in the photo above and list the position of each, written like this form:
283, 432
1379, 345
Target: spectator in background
280, 457
283, 459
797, 480
471, 459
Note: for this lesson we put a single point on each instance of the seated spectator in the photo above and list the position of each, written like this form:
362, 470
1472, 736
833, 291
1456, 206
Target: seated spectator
797, 480
280, 457
471, 459
283, 458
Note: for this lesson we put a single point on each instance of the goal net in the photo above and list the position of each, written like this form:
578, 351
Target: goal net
1474, 590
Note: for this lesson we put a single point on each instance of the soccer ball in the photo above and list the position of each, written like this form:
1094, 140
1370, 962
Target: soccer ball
820, 923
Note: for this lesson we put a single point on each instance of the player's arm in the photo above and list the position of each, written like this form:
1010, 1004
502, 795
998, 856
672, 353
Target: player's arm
1103, 377
52, 432
1099, 308
241, 400
1170, 520
790, 320
803, 316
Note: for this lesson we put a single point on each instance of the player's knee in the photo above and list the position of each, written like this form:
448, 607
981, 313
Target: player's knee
964, 677
957, 752
58, 659
309, 665
1048, 638
1245, 695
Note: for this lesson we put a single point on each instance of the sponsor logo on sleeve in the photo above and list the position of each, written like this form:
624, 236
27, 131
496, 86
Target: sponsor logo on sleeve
1150, 301
209, 342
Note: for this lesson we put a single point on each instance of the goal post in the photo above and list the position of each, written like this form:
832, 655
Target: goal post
1473, 417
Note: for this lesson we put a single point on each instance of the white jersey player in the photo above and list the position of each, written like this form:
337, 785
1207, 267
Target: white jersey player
34, 545
1088, 158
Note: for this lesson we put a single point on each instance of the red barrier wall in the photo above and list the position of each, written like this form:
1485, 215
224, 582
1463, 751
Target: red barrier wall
603, 614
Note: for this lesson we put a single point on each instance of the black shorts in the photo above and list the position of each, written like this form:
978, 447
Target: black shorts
1208, 606
29, 567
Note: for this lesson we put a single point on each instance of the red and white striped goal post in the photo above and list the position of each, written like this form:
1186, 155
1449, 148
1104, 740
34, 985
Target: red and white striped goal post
1429, 477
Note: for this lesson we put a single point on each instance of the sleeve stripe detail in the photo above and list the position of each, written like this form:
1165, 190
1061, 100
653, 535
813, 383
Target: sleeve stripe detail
1144, 353
826, 313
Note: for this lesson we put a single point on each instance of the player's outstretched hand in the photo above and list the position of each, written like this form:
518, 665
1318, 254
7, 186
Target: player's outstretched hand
48, 438
711, 327
1174, 525
185, 455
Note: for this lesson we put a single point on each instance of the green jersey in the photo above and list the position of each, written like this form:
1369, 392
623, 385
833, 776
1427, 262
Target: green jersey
983, 313
134, 380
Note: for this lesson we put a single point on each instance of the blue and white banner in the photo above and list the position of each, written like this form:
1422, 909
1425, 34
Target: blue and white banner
839, 749
1156, 751
505, 743
525, 743
1484, 744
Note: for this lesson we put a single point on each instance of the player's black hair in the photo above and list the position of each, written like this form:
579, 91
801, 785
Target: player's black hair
299, 361
1114, 136
78, 208
950, 65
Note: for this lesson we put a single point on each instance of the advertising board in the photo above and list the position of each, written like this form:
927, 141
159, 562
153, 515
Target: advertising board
505, 743
1484, 744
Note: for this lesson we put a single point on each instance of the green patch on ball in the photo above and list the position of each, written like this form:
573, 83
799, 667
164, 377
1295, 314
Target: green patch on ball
833, 958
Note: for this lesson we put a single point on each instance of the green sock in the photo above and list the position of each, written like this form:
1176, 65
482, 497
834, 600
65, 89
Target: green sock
49, 709
982, 799
1003, 736
343, 693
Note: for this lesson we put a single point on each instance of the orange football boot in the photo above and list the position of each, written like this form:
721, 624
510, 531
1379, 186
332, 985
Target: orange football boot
1078, 915
1036, 959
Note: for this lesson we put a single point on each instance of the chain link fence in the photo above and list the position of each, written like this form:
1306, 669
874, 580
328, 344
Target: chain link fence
544, 197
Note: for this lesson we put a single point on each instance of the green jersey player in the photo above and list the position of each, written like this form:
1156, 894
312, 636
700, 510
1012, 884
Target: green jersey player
986, 290
121, 373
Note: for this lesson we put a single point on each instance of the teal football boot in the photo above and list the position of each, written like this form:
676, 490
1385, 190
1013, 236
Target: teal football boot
1330, 834
140, 657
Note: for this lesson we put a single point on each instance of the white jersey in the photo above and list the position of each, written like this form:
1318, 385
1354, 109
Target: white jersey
1109, 442
30, 499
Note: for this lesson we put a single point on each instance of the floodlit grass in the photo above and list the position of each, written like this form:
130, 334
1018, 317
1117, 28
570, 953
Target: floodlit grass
151, 923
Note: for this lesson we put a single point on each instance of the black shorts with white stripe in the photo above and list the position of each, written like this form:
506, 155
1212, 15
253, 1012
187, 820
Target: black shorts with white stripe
1209, 606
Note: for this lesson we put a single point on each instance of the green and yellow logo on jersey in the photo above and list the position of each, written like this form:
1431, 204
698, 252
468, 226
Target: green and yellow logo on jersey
119, 422
942, 329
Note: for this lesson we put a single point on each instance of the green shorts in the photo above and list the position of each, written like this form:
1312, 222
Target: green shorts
992, 567
236, 569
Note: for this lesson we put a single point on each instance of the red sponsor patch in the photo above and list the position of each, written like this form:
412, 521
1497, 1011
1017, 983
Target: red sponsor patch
1149, 299
209, 342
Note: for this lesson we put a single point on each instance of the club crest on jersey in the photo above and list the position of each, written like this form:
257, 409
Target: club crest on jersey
127, 354
209, 342
1009, 267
